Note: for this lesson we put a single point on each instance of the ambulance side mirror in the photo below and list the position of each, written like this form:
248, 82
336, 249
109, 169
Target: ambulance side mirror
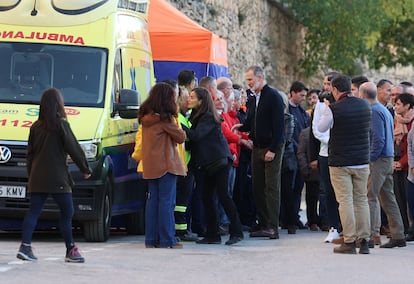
128, 104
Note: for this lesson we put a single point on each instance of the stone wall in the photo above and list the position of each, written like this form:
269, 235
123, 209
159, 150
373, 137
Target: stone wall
258, 32
396, 74
262, 32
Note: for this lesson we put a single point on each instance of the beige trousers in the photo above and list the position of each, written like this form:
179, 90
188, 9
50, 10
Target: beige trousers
350, 186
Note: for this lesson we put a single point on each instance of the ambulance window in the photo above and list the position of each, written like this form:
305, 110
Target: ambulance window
27, 69
5, 66
80, 75
30, 73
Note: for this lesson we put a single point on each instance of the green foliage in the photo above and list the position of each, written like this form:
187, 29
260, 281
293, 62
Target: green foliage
379, 32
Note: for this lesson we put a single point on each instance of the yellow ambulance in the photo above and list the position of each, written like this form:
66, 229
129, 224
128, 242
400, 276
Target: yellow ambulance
97, 52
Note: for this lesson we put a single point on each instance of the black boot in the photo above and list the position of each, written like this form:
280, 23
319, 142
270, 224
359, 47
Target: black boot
364, 248
410, 235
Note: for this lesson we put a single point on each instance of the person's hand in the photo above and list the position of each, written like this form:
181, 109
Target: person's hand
313, 165
397, 166
269, 156
326, 101
412, 170
247, 143
236, 127
86, 176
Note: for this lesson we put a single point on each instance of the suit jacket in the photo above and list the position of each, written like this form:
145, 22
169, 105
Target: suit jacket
304, 155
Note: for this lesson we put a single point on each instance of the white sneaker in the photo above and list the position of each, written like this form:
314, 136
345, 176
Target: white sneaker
333, 234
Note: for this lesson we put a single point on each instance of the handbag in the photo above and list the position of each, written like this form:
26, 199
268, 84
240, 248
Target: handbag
213, 167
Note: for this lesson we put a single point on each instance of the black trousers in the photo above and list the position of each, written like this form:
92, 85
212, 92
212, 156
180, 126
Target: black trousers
185, 186
312, 197
243, 194
331, 203
287, 201
400, 190
217, 183
195, 211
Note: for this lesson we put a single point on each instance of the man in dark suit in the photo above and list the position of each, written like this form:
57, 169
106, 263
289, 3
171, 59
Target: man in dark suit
265, 122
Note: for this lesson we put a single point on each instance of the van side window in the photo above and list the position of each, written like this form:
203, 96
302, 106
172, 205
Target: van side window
117, 78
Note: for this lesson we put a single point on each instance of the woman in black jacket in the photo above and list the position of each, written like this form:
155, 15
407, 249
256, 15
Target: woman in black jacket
210, 155
50, 141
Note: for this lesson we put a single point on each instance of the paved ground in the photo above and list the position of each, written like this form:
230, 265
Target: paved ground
300, 258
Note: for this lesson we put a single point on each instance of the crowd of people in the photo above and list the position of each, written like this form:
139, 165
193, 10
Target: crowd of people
247, 155
220, 160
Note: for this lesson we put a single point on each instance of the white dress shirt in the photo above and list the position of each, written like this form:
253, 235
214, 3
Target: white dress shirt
322, 136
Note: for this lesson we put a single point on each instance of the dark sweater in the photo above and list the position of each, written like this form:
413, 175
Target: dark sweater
266, 124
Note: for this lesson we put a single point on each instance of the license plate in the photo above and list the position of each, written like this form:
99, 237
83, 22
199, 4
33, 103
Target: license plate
11, 191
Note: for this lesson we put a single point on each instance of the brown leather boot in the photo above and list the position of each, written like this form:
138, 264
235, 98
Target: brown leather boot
394, 243
346, 248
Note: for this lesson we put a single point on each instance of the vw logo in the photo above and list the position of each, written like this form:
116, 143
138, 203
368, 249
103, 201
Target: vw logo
5, 154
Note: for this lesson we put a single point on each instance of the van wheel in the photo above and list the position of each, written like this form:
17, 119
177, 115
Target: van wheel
136, 223
98, 230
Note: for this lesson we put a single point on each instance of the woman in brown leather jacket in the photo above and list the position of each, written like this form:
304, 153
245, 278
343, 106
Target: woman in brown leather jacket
161, 164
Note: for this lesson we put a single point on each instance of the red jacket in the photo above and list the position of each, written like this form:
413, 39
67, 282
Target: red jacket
403, 148
233, 139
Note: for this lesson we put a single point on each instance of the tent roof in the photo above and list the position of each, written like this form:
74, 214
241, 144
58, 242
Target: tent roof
175, 37
165, 18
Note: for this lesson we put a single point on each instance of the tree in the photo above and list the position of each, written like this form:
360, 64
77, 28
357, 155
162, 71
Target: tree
339, 33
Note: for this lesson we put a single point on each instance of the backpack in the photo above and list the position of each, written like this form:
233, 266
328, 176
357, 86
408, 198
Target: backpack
289, 128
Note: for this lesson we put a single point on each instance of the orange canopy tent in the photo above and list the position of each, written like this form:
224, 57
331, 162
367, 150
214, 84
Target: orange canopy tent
179, 43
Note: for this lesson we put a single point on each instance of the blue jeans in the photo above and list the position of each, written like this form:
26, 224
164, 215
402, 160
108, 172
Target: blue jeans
37, 200
159, 211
